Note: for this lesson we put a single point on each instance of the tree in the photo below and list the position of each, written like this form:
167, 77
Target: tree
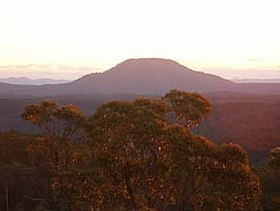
59, 126
23, 186
189, 108
141, 154
54, 122
58, 148
270, 180
147, 157
274, 160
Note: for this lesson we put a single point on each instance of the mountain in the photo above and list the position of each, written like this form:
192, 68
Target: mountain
28, 81
137, 76
149, 76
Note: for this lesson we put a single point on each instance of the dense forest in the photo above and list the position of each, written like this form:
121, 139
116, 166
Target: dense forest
141, 154
235, 117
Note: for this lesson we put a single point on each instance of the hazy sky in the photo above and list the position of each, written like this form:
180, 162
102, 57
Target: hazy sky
232, 38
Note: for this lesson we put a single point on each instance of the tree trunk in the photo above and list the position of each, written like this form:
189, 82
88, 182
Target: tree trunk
7, 199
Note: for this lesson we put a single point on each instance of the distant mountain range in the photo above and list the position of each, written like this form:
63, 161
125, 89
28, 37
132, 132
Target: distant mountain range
146, 76
28, 81
252, 80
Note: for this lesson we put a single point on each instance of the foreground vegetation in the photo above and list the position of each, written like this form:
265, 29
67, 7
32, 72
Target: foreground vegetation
130, 155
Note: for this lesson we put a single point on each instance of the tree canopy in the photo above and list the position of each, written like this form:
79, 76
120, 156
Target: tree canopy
139, 155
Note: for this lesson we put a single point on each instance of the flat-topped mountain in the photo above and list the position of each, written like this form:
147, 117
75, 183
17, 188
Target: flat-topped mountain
150, 76
145, 76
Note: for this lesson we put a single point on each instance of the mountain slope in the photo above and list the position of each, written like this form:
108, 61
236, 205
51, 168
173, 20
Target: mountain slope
11, 89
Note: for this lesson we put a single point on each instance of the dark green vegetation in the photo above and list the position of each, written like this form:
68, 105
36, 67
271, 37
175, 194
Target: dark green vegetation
129, 155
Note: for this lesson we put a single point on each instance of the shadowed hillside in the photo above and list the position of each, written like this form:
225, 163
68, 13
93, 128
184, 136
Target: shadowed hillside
250, 120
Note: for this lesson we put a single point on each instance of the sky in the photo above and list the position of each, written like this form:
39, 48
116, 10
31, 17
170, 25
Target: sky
70, 38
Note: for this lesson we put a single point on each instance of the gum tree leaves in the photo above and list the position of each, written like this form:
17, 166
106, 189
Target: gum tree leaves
142, 155
190, 108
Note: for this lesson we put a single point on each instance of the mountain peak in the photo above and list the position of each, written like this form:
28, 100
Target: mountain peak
148, 61
149, 65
